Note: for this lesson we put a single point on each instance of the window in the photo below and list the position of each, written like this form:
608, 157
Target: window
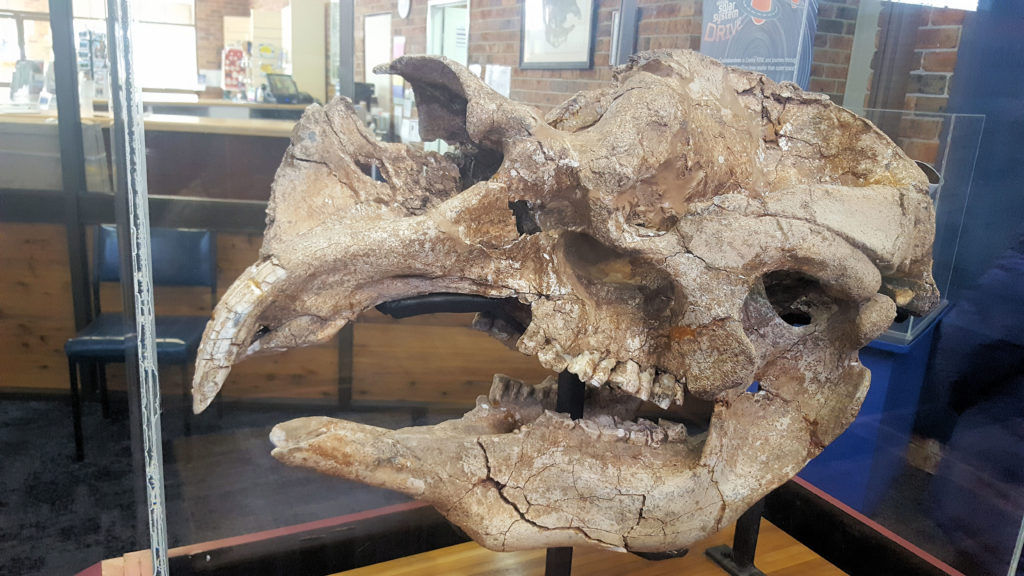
165, 41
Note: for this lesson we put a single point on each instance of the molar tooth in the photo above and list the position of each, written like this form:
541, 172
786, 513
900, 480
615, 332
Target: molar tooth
498, 386
551, 357
557, 419
602, 372
664, 390
584, 364
546, 390
680, 391
645, 423
639, 437
658, 437
590, 428
646, 381
626, 376
674, 431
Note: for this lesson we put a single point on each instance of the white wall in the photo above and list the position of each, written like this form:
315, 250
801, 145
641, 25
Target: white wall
309, 46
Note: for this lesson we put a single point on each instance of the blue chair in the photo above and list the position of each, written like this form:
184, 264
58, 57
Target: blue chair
179, 258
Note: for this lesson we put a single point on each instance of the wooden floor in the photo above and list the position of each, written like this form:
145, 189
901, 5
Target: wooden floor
777, 555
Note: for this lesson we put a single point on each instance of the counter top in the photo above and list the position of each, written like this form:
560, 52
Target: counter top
173, 123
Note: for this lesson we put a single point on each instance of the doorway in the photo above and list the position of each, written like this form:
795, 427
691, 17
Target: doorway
448, 29
448, 36
377, 50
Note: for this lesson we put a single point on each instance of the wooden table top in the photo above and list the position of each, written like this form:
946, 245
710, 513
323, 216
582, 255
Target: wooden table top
172, 123
778, 554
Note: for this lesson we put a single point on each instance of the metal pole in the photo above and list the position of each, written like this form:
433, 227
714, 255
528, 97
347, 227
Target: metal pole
628, 19
132, 212
72, 156
570, 399
347, 48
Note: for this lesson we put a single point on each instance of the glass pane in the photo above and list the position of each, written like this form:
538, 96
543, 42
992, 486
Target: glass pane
10, 53
167, 12
38, 43
160, 68
89, 8
932, 457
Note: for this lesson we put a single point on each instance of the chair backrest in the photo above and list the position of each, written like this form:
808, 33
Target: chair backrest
180, 257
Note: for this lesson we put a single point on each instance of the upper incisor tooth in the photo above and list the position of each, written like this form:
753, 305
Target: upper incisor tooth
602, 372
626, 376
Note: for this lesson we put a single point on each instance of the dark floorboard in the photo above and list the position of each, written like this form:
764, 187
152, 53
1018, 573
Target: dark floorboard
58, 516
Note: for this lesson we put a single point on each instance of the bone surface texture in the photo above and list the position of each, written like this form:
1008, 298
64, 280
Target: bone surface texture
670, 239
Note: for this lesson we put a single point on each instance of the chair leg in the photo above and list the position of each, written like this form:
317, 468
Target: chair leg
104, 397
76, 410
186, 405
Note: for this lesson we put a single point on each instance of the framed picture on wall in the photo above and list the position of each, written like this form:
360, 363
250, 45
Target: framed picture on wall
557, 34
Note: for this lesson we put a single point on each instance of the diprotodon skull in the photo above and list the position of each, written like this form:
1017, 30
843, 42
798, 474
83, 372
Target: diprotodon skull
686, 232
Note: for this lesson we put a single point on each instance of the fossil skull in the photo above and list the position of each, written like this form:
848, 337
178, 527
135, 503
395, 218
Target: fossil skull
686, 232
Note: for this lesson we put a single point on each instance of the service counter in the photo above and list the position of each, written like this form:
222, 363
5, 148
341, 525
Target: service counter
209, 108
199, 156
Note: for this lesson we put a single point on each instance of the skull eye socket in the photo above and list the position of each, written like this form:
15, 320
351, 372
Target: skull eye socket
797, 298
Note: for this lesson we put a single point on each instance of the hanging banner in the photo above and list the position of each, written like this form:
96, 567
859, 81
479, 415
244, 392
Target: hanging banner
773, 37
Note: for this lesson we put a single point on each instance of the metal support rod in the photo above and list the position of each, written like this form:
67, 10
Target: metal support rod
628, 18
571, 391
570, 395
744, 542
558, 562
347, 48
72, 155
131, 209
739, 560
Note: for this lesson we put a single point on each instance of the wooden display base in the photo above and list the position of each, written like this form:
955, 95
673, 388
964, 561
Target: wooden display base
777, 554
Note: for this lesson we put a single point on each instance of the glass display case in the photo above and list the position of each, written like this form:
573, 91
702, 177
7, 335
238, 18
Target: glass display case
144, 124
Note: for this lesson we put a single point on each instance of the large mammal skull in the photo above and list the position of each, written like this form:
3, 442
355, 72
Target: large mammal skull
681, 234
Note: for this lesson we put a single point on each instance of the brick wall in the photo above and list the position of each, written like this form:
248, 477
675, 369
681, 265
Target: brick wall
935, 50
833, 45
935, 47
494, 39
210, 33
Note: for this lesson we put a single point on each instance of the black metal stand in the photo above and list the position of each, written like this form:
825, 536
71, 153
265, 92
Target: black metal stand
739, 560
571, 390
570, 400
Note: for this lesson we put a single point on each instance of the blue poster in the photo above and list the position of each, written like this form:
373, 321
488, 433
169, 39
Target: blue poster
773, 37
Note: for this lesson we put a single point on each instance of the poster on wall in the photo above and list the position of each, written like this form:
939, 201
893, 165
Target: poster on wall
234, 63
557, 34
773, 37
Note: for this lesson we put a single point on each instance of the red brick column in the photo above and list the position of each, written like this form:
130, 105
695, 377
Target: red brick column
833, 45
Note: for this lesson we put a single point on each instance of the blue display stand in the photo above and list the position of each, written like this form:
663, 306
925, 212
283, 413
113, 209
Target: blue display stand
858, 467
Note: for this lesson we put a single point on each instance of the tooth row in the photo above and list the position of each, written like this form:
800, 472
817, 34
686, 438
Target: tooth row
660, 388
641, 433
508, 390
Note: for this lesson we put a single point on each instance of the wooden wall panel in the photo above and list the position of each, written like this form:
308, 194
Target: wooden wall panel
36, 319
424, 363
35, 306
435, 358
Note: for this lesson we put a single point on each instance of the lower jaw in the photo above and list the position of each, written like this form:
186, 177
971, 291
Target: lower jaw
515, 476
